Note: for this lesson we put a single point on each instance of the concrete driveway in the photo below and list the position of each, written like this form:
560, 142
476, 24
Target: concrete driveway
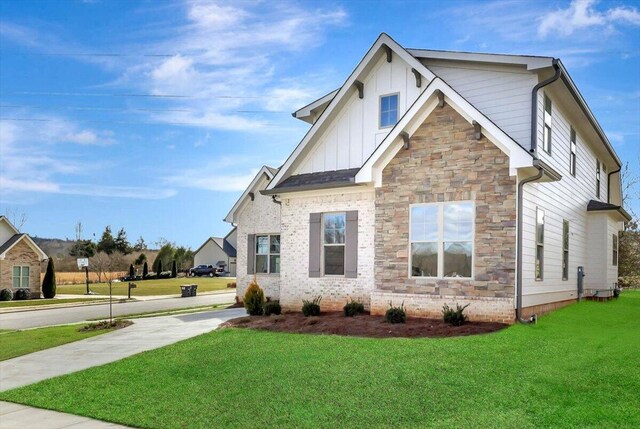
144, 334
60, 316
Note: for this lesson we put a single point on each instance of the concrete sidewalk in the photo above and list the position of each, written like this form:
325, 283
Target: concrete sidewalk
145, 334
15, 416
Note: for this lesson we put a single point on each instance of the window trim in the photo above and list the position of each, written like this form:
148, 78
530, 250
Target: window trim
598, 184
21, 277
539, 244
397, 94
440, 242
268, 254
573, 152
565, 248
547, 123
615, 249
323, 245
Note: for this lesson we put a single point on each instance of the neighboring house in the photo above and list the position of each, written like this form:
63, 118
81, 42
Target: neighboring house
219, 252
20, 259
425, 179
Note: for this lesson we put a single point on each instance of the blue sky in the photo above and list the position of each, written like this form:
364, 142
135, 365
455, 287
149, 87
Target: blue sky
154, 115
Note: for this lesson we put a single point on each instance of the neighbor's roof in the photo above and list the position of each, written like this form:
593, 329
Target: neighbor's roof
270, 172
598, 206
310, 181
222, 243
15, 239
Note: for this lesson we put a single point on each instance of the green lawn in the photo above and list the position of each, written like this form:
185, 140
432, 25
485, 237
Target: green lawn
151, 287
579, 367
36, 302
18, 343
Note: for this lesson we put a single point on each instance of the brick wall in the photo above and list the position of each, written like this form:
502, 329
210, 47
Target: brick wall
296, 284
21, 254
260, 216
445, 163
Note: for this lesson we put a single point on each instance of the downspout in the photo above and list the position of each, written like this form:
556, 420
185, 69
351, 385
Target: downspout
609, 183
519, 250
273, 198
534, 106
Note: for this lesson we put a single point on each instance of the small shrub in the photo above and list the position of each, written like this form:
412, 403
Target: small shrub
49, 281
616, 292
254, 299
6, 295
164, 275
454, 317
395, 314
231, 285
353, 308
311, 308
150, 276
272, 307
22, 294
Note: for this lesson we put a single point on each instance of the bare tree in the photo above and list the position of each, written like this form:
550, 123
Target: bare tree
630, 181
18, 219
107, 267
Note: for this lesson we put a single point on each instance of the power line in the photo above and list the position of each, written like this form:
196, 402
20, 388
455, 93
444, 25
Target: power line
191, 124
104, 94
124, 109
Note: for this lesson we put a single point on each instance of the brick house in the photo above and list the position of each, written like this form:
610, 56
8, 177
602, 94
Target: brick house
426, 178
20, 260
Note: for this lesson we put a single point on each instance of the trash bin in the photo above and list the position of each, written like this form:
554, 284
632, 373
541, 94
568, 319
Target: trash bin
186, 290
194, 289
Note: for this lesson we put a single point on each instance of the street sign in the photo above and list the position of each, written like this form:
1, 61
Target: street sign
83, 263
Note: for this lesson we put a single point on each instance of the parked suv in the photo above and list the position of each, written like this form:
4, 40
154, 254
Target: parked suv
203, 270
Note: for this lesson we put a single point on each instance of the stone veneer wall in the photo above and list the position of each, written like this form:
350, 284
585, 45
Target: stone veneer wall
295, 283
260, 216
445, 163
21, 254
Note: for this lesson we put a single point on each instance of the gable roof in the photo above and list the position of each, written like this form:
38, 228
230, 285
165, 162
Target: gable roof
345, 90
371, 171
17, 238
532, 62
305, 113
222, 243
599, 206
311, 181
269, 172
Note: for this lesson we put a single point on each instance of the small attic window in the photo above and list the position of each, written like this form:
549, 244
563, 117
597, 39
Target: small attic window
388, 110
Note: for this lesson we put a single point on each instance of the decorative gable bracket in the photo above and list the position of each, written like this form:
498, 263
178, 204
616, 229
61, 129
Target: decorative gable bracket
477, 130
418, 76
440, 95
360, 87
406, 139
389, 53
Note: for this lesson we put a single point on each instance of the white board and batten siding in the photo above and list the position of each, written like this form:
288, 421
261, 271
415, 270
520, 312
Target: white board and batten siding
501, 92
566, 199
355, 133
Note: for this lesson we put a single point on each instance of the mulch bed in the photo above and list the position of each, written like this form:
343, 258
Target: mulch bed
364, 325
104, 324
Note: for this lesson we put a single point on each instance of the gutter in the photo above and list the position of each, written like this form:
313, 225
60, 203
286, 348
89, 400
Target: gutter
609, 183
534, 106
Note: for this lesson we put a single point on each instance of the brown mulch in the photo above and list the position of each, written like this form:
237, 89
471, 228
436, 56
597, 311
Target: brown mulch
104, 324
364, 325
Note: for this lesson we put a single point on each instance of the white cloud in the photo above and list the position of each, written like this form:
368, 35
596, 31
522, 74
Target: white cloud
582, 14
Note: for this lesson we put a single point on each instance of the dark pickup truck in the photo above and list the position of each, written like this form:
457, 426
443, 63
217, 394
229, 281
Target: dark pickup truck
203, 270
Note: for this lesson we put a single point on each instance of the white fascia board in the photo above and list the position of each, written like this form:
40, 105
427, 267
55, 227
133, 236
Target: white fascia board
305, 112
531, 62
343, 93
264, 170
371, 171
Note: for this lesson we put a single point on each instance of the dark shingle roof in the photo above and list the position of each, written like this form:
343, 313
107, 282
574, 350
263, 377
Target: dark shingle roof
228, 248
324, 179
10, 242
595, 206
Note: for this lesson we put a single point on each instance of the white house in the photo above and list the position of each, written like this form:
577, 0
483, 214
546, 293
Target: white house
433, 177
219, 252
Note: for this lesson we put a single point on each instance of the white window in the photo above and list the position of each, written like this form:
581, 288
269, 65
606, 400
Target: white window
572, 153
20, 276
615, 250
333, 233
267, 254
565, 250
388, 110
546, 136
441, 240
539, 244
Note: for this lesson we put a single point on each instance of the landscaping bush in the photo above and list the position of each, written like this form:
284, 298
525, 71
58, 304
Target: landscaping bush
395, 314
174, 269
49, 281
150, 276
22, 294
231, 285
164, 275
272, 307
254, 299
145, 270
454, 317
353, 308
311, 308
6, 295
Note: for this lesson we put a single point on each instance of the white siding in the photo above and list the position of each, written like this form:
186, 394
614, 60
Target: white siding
502, 93
210, 254
354, 135
5, 232
565, 199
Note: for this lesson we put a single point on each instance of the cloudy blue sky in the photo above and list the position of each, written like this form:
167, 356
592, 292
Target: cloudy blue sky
154, 115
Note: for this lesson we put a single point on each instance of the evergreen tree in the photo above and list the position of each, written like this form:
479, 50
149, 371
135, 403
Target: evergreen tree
145, 270
140, 245
107, 244
132, 271
165, 256
159, 267
49, 282
174, 269
121, 243
140, 259
83, 249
